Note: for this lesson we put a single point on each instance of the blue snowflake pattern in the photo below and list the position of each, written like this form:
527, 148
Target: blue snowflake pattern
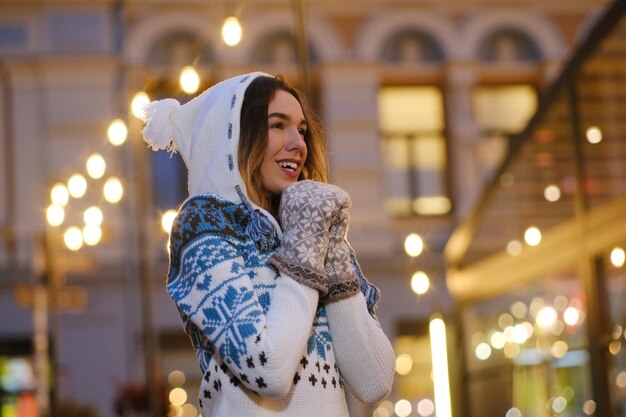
230, 320
320, 340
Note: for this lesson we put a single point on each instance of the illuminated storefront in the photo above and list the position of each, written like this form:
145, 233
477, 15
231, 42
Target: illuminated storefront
538, 268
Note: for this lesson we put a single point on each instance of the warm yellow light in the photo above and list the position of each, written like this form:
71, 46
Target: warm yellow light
505, 320
403, 408
532, 236
433, 205
178, 396
167, 220
73, 238
174, 411
483, 351
96, 166
189, 410
546, 317
519, 309
420, 282
559, 349
92, 234
93, 216
618, 257
138, 104
520, 334
404, 364
620, 380
439, 351
511, 350
231, 31
189, 80
552, 193
381, 412
413, 245
77, 185
497, 340
614, 347
514, 248
113, 190
59, 194
55, 215
594, 135
176, 378
571, 315
117, 132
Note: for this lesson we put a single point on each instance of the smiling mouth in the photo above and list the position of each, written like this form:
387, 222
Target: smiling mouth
290, 166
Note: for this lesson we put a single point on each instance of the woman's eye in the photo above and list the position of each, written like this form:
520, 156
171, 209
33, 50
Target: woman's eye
302, 131
276, 126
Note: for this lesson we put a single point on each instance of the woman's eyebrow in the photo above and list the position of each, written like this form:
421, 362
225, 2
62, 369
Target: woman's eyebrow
284, 117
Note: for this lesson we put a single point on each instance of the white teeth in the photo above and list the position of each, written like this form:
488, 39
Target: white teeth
288, 165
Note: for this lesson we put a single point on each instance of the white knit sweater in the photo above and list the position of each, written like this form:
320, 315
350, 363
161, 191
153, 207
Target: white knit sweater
265, 345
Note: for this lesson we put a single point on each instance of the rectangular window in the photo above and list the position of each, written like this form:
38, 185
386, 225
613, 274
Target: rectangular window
414, 150
499, 111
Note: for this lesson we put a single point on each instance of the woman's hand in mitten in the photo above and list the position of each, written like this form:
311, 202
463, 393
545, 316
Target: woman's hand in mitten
343, 281
306, 209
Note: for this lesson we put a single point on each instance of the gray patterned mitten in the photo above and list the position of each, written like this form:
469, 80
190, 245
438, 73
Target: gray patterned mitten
343, 281
306, 208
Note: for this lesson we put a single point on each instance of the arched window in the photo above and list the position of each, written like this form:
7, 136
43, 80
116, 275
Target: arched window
178, 49
278, 48
509, 45
411, 46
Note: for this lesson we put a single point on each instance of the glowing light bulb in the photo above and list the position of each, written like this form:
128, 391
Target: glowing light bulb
77, 185
55, 215
189, 80
113, 190
167, 220
552, 193
96, 166
73, 238
404, 364
546, 317
92, 234
420, 283
594, 135
138, 104
413, 245
117, 132
59, 194
231, 31
618, 257
532, 236
93, 216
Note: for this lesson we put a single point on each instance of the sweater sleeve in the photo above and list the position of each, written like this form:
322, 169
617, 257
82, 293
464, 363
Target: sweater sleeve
364, 354
213, 291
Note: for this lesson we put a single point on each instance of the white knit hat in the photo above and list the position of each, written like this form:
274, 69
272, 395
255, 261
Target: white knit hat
205, 131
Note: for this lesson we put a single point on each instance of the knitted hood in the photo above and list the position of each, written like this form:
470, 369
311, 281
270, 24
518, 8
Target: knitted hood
205, 131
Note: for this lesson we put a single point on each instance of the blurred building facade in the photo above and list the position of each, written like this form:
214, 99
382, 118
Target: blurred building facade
419, 99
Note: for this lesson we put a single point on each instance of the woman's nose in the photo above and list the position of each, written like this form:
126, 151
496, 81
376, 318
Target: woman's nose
295, 141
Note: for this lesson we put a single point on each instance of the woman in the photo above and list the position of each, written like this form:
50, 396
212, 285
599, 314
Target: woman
277, 309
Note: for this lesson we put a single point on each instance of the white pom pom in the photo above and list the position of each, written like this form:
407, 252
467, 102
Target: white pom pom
159, 130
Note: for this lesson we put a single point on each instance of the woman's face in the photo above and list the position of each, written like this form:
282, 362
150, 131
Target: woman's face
286, 150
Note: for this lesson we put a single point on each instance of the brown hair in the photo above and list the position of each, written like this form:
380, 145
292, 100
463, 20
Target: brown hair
253, 140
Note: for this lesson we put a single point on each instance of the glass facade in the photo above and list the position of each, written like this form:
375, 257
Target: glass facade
538, 267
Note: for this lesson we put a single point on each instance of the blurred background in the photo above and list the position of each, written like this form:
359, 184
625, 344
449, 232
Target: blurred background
482, 143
